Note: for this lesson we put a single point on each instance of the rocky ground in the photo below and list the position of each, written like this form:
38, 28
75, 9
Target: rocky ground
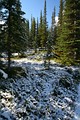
38, 93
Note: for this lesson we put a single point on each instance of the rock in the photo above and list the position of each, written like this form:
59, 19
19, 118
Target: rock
76, 74
65, 81
3, 74
69, 70
7, 115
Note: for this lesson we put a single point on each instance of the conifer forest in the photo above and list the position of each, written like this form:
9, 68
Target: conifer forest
40, 62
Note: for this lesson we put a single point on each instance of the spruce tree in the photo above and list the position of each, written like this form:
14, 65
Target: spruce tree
60, 16
3, 33
49, 49
27, 30
13, 27
33, 32
1, 38
59, 28
2, 47
37, 35
53, 28
20, 28
44, 28
40, 29
70, 37
30, 36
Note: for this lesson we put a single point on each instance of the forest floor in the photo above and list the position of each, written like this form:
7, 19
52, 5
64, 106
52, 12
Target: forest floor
36, 93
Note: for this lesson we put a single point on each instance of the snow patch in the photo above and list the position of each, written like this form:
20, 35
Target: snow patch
5, 76
77, 107
39, 95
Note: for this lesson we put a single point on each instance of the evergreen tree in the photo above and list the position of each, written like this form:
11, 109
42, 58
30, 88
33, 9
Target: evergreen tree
37, 35
13, 27
33, 32
53, 29
30, 36
60, 16
1, 40
51, 41
20, 28
2, 29
44, 28
40, 29
59, 27
49, 49
70, 38
27, 32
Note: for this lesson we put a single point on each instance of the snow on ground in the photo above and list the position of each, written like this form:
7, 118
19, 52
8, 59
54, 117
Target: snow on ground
77, 108
41, 95
4, 75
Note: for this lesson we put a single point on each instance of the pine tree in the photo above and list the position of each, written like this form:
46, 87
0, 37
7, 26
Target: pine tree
20, 28
51, 41
27, 29
2, 29
13, 27
1, 38
70, 37
60, 17
33, 32
2, 48
53, 28
59, 27
40, 29
30, 35
37, 35
49, 49
44, 28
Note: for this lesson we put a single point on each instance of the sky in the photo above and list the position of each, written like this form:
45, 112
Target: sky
33, 7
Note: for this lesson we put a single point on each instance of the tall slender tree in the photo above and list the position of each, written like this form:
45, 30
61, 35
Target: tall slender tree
2, 48
70, 37
60, 16
30, 35
37, 35
27, 29
53, 28
40, 29
13, 27
51, 40
44, 27
33, 31
59, 27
